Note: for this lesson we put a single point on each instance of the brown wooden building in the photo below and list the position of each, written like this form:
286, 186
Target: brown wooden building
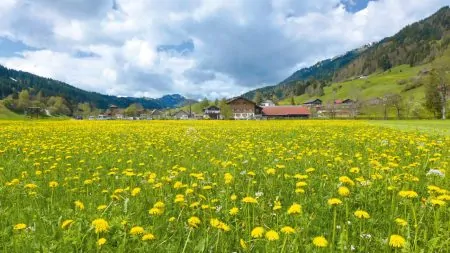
243, 108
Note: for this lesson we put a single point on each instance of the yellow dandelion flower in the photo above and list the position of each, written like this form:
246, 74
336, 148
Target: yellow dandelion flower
277, 205
233, 197
155, 211
100, 225
437, 202
53, 184
408, 194
397, 241
135, 191
79, 205
295, 209
20, 226
194, 222
360, 214
66, 224
320, 242
346, 180
334, 202
101, 241
401, 222
101, 207
257, 232
137, 230
287, 230
249, 200
148, 237
234, 211
343, 191
228, 178
272, 235
243, 244
271, 171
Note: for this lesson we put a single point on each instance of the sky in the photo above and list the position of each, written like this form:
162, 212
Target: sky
196, 48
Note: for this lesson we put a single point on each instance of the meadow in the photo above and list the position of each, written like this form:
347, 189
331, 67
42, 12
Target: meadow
222, 186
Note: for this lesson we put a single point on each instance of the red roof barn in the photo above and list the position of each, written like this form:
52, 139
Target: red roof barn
286, 111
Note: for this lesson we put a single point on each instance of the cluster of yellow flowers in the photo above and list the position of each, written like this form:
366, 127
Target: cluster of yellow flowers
222, 186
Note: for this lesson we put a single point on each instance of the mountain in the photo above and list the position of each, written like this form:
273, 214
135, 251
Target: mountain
416, 44
13, 81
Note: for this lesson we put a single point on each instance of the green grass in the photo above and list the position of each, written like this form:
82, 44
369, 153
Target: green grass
425, 126
5, 113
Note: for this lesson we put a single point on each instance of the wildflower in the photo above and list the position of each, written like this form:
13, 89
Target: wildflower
320, 242
334, 202
360, 214
79, 205
346, 180
257, 232
101, 207
137, 230
53, 184
243, 244
215, 223
287, 230
270, 171
159, 205
277, 205
234, 211
179, 198
343, 191
135, 191
101, 241
397, 241
148, 237
228, 178
20, 226
66, 224
233, 197
295, 209
401, 222
249, 200
155, 211
272, 235
100, 225
194, 222
435, 172
172, 219
437, 202
408, 194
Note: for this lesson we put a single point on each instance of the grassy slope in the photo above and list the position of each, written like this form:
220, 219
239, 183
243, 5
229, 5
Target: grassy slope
426, 126
7, 114
376, 85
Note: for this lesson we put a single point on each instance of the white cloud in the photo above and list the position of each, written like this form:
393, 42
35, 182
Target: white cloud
238, 44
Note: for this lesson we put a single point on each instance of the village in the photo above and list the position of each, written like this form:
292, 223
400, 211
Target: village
241, 108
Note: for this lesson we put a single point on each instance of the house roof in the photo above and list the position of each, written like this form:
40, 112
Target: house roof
312, 101
285, 110
248, 100
212, 107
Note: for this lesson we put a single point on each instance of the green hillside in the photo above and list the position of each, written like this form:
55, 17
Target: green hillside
7, 114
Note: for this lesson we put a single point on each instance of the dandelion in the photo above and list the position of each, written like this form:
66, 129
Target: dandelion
100, 225
137, 230
397, 241
66, 224
155, 211
148, 237
277, 205
272, 235
234, 211
243, 244
295, 209
53, 184
233, 197
334, 202
135, 191
101, 242
257, 232
287, 230
360, 214
320, 242
159, 205
79, 205
228, 178
101, 207
20, 226
408, 194
343, 191
437, 202
194, 222
346, 180
401, 222
250, 200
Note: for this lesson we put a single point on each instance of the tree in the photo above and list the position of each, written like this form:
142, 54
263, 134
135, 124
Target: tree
225, 109
438, 89
275, 99
84, 109
292, 100
58, 105
204, 103
133, 110
396, 101
258, 98
216, 102
24, 100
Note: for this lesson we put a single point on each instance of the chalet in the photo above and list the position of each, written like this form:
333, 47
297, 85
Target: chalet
181, 115
212, 112
243, 108
112, 111
313, 102
156, 114
267, 103
286, 112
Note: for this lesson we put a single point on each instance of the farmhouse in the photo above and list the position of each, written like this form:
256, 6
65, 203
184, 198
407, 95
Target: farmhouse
212, 112
156, 114
286, 112
267, 103
243, 108
313, 102
181, 115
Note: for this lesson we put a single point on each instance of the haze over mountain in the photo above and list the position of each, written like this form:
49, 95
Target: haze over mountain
195, 48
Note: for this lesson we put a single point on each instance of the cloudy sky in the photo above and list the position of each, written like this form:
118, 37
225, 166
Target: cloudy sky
196, 48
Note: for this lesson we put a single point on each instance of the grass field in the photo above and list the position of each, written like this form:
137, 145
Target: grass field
222, 186
7, 114
424, 126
